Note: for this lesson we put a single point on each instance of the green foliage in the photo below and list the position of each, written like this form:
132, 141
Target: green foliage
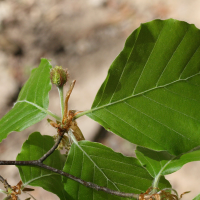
34, 148
150, 97
32, 103
99, 164
163, 163
151, 94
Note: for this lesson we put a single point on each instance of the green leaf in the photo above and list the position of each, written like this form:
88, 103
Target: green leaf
163, 163
32, 103
99, 164
33, 149
151, 93
197, 197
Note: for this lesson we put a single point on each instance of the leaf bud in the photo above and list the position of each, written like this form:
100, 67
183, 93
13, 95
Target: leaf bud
58, 76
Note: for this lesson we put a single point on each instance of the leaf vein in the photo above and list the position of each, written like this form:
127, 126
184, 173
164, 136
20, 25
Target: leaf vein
84, 152
129, 186
124, 67
147, 61
131, 126
171, 57
171, 108
125, 173
188, 62
157, 121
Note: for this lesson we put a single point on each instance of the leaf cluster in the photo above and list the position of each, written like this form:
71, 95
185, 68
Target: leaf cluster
150, 97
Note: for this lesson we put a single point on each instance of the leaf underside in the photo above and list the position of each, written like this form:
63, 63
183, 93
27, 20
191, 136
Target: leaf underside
151, 93
99, 164
31, 104
33, 149
163, 163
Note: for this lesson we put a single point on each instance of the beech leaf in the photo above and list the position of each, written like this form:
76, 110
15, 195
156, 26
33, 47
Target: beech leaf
33, 149
99, 164
32, 103
151, 93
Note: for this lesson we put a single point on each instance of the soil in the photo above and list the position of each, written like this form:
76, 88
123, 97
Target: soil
85, 36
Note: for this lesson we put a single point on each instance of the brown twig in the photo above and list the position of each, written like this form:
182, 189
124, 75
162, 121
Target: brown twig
85, 183
61, 131
4, 181
44, 157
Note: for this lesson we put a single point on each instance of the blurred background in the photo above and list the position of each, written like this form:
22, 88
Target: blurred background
84, 36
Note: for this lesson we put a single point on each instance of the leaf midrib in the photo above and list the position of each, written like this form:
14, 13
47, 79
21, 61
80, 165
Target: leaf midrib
34, 179
95, 164
139, 94
39, 177
33, 104
157, 177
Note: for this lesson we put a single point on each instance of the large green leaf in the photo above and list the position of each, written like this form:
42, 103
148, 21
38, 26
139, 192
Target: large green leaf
99, 164
151, 94
32, 103
163, 163
33, 149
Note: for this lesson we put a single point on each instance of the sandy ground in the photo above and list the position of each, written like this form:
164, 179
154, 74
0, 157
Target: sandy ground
85, 36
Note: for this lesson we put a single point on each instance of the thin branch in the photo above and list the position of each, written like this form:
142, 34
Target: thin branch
39, 163
4, 181
44, 157
85, 183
